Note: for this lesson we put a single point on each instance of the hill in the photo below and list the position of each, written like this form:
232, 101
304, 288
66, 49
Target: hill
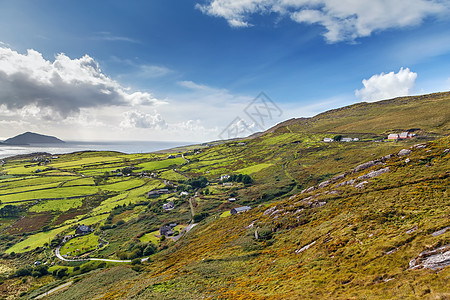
32, 138
430, 113
341, 220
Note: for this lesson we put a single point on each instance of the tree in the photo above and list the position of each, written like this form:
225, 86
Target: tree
9, 211
150, 249
246, 179
337, 138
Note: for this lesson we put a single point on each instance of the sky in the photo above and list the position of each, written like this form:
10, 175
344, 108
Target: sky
197, 71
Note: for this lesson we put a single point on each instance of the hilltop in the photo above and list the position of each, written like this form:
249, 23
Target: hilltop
32, 138
430, 113
342, 220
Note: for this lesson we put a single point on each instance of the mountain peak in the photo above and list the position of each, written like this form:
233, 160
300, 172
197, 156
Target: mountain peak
32, 138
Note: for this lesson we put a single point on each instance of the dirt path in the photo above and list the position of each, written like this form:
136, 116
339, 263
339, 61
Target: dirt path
192, 209
56, 289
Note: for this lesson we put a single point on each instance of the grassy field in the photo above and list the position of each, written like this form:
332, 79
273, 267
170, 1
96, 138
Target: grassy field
161, 164
80, 245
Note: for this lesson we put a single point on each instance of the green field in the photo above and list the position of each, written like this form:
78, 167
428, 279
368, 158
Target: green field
161, 164
80, 245
56, 205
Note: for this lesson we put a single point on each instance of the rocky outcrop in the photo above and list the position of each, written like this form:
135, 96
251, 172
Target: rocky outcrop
374, 173
404, 152
434, 259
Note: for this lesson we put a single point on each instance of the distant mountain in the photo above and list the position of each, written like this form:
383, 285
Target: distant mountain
32, 138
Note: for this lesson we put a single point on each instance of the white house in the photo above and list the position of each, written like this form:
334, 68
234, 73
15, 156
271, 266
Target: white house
393, 136
346, 140
328, 140
404, 135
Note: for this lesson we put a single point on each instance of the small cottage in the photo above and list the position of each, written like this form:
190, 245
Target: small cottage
165, 230
393, 136
328, 140
82, 229
231, 199
404, 135
168, 206
152, 194
240, 209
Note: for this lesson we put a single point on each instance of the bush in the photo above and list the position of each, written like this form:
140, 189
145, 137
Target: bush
120, 222
136, 261
23, 272
198, 217
35, 274
60, 273
122, 255
150, 249
135, 254
265, 233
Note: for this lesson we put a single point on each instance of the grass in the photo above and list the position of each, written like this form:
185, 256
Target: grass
56, 205
150, 237
161, 164
62, 192
35, 240
124, 185
253, 169
80, 245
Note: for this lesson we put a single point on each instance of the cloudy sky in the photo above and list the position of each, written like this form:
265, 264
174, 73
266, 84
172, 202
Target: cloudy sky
200, 70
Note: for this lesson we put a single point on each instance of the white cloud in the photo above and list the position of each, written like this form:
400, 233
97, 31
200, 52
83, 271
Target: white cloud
108, 36
344, 20
385, 86
136, 119
63, 86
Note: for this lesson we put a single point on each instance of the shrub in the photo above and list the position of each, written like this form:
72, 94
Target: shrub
23, 272
150, 249
136, 261
120, 222
122, 255
198, 217
62, 272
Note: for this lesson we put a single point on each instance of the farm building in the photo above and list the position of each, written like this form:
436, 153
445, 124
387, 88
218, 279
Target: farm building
168, 206
347, 140
403, 135
393, 136
328, 140
240, 209
152, 194
231, 199
82, 229
165, 230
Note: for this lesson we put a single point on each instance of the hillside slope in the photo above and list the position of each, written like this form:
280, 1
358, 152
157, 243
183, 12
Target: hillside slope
328, 220
366, 234
429, 113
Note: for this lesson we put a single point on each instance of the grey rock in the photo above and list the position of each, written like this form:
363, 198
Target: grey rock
374, 173
404, 152
361, 185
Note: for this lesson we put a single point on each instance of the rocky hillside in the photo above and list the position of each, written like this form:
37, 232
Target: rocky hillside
380, 229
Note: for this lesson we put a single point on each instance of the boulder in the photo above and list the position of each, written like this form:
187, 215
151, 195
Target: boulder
404, 152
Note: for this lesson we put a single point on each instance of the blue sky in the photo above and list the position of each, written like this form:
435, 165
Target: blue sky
183, 70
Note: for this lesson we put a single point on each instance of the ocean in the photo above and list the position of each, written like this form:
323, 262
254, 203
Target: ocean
74, 146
